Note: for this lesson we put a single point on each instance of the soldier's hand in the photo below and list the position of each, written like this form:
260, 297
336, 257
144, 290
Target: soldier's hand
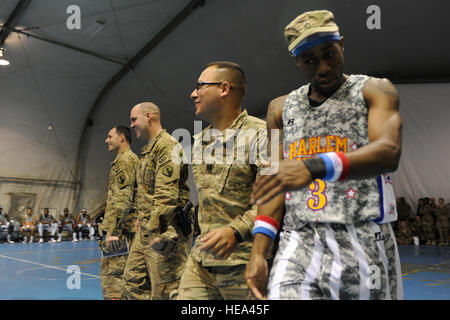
256, 274
112, 242
290, 175
161, 244
219, 242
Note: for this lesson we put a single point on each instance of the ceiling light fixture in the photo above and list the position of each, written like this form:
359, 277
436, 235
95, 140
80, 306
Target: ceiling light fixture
3, 61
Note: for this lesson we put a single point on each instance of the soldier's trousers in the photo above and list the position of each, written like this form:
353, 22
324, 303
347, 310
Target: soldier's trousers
428, 228
213, 283
442, 226
337, 261
111, 272
136, 274
150, 274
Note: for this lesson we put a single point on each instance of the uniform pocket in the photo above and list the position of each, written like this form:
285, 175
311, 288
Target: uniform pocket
237, 182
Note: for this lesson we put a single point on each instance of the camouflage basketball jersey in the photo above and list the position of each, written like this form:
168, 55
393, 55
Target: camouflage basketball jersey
339, 124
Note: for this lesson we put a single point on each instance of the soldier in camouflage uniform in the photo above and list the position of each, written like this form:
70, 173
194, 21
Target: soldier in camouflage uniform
404, 233
428, 222
120, 212
404, 210
215, 268
341, 134
159, 252
442, 212
417, 229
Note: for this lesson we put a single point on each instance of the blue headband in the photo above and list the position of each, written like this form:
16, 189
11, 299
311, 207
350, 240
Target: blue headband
315, 40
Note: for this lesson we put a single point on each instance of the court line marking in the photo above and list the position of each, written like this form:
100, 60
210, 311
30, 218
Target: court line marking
47, 266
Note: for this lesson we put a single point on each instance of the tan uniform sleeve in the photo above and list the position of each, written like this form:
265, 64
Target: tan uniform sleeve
167, 176
123, 194
244, 224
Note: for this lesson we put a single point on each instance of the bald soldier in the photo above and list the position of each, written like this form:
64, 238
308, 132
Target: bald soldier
120, 212
216, 265
159, 251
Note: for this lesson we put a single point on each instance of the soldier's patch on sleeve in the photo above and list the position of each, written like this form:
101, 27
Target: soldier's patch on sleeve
122, 179
167, 171
163, 159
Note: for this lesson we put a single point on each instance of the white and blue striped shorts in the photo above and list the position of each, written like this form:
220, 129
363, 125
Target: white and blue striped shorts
337, 261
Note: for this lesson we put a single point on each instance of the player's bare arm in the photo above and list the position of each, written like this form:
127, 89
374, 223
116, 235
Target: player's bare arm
383, 152
381, 155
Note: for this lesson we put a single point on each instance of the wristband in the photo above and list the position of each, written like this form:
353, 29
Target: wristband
315, 166
345, 166
336, 164
266, 225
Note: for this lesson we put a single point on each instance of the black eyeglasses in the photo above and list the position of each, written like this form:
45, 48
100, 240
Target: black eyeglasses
201, 84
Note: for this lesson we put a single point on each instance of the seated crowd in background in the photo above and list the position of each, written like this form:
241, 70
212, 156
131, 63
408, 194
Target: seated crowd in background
47, 225
429, 223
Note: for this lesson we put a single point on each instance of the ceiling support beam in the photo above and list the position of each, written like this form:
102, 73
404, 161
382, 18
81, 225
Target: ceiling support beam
12, 20
158, 38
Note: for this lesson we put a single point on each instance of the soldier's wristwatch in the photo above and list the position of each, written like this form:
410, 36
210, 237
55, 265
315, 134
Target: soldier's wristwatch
237, 235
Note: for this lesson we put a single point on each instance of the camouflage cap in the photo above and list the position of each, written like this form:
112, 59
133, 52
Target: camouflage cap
310, 29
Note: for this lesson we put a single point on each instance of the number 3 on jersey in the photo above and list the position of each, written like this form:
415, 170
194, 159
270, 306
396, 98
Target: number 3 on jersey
318, 199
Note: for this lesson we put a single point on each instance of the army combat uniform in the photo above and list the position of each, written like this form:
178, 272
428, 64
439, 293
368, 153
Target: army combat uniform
428, 223
405, 235
224, 191
120, 202
442, 224
162, 186
417, 229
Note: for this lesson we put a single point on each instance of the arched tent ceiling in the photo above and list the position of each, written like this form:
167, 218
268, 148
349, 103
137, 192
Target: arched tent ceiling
53, 85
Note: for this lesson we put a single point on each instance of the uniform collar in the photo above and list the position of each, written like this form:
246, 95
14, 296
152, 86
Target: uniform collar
119, 155
149, 146
237, 123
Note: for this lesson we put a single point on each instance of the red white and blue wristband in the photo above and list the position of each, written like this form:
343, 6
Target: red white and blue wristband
336, 164
266, 225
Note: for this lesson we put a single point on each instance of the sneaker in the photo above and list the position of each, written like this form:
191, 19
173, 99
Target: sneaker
92, 238
53, 240
24, 240
75, 240
40, 240
59, 240
10, 241
31, 241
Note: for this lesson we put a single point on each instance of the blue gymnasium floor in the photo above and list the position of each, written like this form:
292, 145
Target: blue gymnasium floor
39, 271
